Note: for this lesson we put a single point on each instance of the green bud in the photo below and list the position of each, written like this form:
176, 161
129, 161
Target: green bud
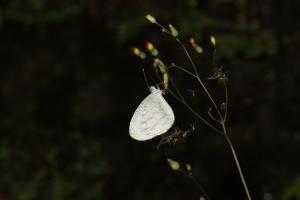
142, 55
151, 19
213, 40
173, 164
198, 49
188, 167
162, 67
173, 30
166, 80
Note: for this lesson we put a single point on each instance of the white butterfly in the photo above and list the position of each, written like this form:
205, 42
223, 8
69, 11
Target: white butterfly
153, 117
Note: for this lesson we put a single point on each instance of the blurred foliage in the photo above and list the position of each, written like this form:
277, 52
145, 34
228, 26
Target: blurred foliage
37, 12
238, 34
69, 86
235, 39
293, 192
128, 29
53, 172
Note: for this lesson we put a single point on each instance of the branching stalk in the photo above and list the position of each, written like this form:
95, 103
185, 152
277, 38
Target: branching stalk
237, 163
199, 79
222, 119
195, 113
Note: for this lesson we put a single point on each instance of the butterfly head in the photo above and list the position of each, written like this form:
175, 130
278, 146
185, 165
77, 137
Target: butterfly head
155, 90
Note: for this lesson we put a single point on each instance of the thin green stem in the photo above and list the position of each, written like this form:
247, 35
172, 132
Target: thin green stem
199, 79
173, 65
226, 101
211, 98
196, 182
164, 29
237, 163
177, 90
222, 118
182, 100
195, 69
188, 175
188, 55
195, 113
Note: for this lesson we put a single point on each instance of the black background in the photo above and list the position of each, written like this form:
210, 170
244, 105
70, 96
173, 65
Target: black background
70, 84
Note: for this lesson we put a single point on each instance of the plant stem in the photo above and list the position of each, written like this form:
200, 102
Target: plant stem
196, 182
222, 118
199, 79
188, 55
226, 101
237, 163
195, 113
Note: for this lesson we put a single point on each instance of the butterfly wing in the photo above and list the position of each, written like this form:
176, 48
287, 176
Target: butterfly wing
153, 117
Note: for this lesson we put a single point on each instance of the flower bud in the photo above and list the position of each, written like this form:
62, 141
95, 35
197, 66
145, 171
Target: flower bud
166, 80
136, 51
173, 164
151, 19
173, 30
213, 40
152, 48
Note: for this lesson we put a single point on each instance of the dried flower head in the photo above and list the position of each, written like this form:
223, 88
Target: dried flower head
219, 75
174, 137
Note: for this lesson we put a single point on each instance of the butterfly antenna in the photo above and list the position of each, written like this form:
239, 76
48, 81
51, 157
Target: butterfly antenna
159, 84
147, 83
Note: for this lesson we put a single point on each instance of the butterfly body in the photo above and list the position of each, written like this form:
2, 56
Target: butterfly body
153, 117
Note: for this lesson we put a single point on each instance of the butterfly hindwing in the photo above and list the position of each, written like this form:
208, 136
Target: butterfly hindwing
153, 117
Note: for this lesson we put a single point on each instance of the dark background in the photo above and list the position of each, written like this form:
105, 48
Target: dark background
69, 86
